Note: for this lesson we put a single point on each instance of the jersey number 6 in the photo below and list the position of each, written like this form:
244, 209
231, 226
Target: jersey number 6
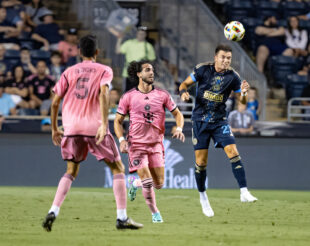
81, 89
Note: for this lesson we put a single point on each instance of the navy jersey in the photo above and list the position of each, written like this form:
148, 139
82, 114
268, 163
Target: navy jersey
212, 91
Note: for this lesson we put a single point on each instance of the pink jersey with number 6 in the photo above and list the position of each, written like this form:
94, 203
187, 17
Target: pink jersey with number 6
79, 86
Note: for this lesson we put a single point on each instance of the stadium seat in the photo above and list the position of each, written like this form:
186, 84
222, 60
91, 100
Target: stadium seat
28, 43
237, 10
12, 54
281, 67
164, 53
305, 24
267, 8
250, 24
295, 85
293, 9
38, 55
282, 23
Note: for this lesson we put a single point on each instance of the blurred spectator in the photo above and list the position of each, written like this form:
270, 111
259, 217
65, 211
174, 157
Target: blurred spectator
5, 65
241, 121
19, 88
34, 10
230, 103
253, 103
56, 68
47, 33
295, 37
270, 41
134, 50
7, 106
15, 11
73, 60
306, 93
40, 86
68, 47
8, 31
26, 63
114, 99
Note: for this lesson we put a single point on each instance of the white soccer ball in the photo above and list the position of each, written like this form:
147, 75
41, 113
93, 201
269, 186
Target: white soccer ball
234, 31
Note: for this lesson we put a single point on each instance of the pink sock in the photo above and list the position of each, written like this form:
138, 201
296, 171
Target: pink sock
63, 188
149, 194
119, 189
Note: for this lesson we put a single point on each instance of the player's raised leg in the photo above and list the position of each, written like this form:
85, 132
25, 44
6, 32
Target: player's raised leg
62, 190
134, 184
201, 157
239, 173
119, 190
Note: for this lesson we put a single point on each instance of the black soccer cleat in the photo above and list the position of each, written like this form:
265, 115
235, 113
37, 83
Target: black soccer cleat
48, 222
128, 224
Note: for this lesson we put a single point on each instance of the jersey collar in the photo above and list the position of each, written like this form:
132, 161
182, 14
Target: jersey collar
143, 92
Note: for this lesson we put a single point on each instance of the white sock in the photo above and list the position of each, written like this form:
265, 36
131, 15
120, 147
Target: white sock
55, 209
243, 190
121, 214
203, 196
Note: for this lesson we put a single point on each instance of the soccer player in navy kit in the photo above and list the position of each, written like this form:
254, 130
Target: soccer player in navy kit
214, 82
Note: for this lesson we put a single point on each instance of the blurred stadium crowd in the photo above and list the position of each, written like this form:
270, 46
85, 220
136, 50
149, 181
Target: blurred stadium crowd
277, 38
34, 51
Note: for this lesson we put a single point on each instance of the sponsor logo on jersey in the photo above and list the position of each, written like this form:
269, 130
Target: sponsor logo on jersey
211, 96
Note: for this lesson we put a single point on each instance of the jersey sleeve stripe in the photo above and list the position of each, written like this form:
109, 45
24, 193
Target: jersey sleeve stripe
193, 77
174, 109
120, 113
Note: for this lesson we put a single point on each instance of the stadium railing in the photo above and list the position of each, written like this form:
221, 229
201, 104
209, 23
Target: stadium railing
295, 110
191, 24
94, 15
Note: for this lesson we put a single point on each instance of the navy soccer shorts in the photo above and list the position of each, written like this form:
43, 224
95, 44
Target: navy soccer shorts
220, 133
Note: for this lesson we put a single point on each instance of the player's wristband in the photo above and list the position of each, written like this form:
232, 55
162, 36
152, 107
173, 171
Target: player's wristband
244, 94
179, 129
121, 139
182, 91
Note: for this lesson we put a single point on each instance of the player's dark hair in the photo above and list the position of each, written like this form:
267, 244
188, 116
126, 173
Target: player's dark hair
134, 68
88, 45
222, 47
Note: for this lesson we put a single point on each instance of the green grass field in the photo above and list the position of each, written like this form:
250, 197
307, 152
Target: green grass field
88, 216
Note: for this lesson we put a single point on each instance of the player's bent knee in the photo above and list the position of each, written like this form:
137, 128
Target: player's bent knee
117, 167
158, 186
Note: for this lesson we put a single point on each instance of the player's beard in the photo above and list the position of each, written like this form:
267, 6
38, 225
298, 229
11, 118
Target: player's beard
149, 81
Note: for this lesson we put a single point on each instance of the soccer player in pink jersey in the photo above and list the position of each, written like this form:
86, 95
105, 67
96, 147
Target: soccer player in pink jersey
146, 106
84, 89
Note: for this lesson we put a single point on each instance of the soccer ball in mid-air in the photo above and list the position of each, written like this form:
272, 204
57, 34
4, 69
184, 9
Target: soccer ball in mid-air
234, 31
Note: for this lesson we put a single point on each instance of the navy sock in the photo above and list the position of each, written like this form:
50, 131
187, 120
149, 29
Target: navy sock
201, 176
238, 171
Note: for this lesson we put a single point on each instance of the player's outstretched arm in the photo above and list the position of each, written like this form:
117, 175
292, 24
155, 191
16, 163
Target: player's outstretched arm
178, 116
104, 111
243, 96
56, 133
119, 132
184, 87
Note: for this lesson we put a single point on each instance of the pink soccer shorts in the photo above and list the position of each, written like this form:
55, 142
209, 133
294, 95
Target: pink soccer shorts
145, 155
75, 148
